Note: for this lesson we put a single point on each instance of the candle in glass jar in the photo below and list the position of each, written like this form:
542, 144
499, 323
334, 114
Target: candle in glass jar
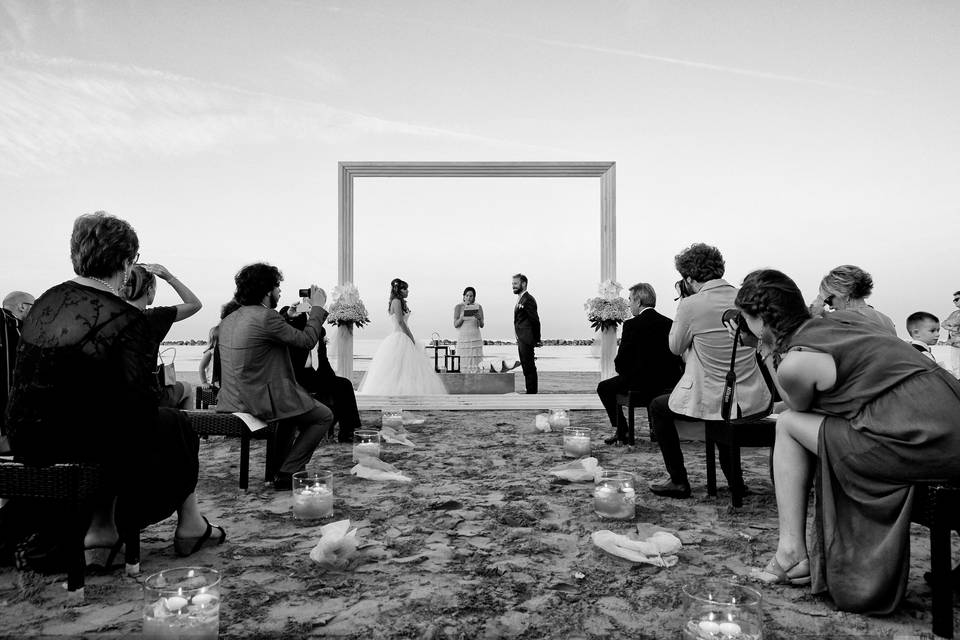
312, 503
180, 603
371, 449
576, 442
392, 419
614, 495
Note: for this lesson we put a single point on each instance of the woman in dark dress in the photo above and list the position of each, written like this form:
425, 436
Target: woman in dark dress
140, 290
82, 393
878, 416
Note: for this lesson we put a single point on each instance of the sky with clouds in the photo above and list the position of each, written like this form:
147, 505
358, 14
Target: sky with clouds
799, 136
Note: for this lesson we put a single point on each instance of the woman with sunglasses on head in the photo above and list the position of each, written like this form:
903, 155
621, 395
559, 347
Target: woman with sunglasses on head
845, 289
876, 415
140, 290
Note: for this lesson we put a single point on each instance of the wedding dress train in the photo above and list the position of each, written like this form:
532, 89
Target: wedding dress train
400, 368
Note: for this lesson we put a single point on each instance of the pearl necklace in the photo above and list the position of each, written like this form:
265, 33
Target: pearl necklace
106, 284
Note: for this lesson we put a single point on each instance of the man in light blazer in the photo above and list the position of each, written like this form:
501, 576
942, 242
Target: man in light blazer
700, 337
526, 324
256, 374
644, 363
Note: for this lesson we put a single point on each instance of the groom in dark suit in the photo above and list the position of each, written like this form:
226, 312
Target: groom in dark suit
644, 362
526, 324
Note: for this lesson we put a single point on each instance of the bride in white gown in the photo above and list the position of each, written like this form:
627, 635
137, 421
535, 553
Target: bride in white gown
400, 367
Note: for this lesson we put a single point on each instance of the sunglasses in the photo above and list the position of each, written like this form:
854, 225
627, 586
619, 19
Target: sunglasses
829, 300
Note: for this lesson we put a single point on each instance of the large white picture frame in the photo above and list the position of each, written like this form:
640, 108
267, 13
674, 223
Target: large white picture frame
605, 171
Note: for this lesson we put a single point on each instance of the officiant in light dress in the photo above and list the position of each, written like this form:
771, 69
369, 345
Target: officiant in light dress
468, 320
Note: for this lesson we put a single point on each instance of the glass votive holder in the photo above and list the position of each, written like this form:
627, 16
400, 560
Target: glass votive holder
559, 419
182, 603
312, 495
392, 418
615, 495
721, 610
366, 442
576, 442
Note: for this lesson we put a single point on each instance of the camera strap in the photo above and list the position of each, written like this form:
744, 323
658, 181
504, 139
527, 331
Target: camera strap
730, 386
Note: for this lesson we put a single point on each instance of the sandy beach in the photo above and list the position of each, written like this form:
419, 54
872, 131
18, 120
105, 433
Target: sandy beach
483, 543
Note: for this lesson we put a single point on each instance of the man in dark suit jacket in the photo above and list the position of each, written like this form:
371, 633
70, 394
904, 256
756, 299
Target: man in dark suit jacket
319, 378
526, 324
16, 305
644, 362
256, 375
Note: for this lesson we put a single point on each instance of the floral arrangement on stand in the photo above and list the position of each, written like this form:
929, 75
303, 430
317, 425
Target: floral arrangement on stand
608, 310
347, 308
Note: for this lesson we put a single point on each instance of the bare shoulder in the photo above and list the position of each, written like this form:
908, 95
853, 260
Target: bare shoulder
807, 368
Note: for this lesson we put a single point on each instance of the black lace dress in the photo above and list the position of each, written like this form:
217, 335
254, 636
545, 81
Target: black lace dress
83, 391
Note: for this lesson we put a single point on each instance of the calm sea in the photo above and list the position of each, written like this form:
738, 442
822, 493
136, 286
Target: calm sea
549, 358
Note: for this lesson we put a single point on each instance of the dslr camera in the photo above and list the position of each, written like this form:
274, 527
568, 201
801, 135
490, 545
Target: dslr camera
305, 293
683, 289
743, 333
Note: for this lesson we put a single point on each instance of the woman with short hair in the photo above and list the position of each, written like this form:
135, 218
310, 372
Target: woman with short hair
845, 288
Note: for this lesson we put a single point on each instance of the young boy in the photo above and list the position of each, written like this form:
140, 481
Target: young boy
924, 330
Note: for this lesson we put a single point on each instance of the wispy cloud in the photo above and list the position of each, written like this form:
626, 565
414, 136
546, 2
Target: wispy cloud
58, 112
564, 44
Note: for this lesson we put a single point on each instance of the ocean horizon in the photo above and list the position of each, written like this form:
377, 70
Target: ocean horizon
566, 357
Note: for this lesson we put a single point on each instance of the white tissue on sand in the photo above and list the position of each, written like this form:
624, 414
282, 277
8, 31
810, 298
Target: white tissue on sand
542, 422
659, 549
376, 469
582, 470
338, 543
389, 434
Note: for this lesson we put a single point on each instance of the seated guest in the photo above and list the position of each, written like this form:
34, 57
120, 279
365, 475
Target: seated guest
82, 394
256, 374
16, 304
699, 335
952, 323
140, 290
314, 373
644, 363
208, 363
924, 330
845, 289
877, 414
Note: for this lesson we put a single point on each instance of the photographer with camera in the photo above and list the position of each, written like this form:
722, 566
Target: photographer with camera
700, 337
257, 375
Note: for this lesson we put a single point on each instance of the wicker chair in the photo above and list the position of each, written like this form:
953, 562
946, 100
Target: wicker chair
205, 398
211, 423
937, 506
71, 487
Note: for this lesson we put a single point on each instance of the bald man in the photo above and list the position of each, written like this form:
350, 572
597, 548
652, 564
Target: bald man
18, 303
16, 306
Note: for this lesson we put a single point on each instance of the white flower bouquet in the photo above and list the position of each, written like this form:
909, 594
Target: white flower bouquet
347, 308
607, 310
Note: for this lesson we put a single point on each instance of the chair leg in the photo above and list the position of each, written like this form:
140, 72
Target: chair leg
653, 434
631, 439
736, 474
244, 459
77, 563
711, 464
942, 588
131, 550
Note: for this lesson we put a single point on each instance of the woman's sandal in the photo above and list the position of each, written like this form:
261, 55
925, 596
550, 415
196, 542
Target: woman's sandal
104, 558
775, 573
188, 546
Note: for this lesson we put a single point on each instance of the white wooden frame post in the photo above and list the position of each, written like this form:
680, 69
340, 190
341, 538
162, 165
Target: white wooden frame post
606, 171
